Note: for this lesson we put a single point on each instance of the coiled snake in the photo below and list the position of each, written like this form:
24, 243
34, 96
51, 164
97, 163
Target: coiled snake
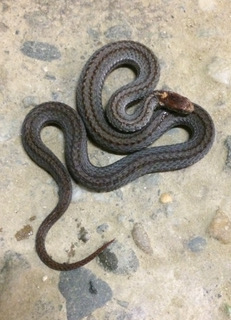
115, 130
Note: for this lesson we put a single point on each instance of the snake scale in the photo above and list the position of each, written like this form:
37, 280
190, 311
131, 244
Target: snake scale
116, 130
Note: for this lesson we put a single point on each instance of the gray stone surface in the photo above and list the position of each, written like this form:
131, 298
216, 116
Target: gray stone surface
40, 50
192, 41
196, 244
119, 259
84, 292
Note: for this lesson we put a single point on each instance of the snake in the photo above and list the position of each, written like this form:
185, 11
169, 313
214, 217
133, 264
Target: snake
135, 116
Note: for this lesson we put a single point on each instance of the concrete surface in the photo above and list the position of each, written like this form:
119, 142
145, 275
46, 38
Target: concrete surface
183, 217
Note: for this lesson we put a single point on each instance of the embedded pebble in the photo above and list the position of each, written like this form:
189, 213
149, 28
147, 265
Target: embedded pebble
109, 260
228, 145
93, 33
219, 69
102, 228
84, 292
83, 235
220, 227
30, 101
24, 233
165, 198
196, 244
44, 278
40, 51
118, 259
49, 76
141, 238
123, 303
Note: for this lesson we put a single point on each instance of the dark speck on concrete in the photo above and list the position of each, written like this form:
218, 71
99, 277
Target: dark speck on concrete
83, 292
40, 51
49, 76
92, 288
196, 244
228, 145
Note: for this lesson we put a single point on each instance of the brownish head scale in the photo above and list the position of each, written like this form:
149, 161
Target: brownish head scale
175, 102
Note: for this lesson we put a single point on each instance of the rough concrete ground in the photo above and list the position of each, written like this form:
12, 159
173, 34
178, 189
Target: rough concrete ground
184, 216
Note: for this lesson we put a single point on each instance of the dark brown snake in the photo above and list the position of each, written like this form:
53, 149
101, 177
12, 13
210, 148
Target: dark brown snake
115, 130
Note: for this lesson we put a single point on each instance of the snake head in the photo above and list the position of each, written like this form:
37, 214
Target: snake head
175, 102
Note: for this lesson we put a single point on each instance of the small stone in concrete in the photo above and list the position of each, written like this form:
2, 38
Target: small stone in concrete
30, 101
220, 227
83, 292
83, 235
123, 303
49, 76
228, 146
93, 33
109, 260
197, 244
165, 198
119, 259
102, 228
141, 238
40, 51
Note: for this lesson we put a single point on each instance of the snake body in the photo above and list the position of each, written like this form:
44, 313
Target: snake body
114, 130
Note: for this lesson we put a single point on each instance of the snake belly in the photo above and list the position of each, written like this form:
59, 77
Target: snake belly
91, 120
